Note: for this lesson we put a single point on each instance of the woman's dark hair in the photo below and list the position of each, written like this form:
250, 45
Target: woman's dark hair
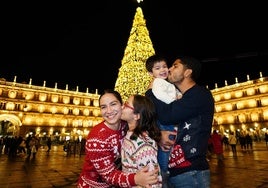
148, 121
115, 93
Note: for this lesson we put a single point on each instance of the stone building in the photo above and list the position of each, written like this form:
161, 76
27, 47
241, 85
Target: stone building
27, 109
39, 110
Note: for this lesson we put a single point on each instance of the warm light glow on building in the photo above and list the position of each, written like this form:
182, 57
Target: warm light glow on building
242, 118
240, 105
53, 109
238, 94
86, 102
265, 114
76, 101
263, 88
218, 108
217, 98
76, 111
66, 99
10, 106
86, 112
41, 108
227, 96
65, 110
264, 101
96, 103
250, 91
230, 119
255, 117
252, 103
54, 98
228, 107
42, 97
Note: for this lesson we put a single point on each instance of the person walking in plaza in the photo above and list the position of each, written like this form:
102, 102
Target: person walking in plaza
249, 144
49, 143
139, 146
266, 139
22, 147
165, 91
225, 142
32, 148
217, 143
101, 167
28, 149
210, 149
1, 145
242, 141
232, 141
193, 113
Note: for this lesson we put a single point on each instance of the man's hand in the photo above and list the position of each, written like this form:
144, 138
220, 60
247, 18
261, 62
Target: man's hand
165, 142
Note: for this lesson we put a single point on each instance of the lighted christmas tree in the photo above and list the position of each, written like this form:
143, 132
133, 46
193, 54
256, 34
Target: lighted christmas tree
133, 77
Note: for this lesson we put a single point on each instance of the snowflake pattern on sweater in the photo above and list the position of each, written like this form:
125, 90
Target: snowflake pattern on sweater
139, 153
103, 147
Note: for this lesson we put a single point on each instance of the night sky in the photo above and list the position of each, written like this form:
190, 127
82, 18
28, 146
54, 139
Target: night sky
70, 43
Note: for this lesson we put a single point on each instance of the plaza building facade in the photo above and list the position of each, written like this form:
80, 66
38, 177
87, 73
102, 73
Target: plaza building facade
38, 110
63, 114
242, 108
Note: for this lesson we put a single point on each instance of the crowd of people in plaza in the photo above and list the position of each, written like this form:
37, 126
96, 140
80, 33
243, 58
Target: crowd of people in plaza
220, 142
27, 147
18, 146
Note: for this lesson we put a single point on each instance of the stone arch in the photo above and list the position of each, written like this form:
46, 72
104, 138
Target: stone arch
13, 125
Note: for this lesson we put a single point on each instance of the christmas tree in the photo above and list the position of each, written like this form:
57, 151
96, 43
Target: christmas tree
133, 77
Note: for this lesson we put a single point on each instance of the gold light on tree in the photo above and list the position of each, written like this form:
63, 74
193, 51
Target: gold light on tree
133, 77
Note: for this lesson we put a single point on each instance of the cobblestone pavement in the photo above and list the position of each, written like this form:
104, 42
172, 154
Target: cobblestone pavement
247, 169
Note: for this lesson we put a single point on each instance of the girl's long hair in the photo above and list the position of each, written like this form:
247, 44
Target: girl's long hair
148, 119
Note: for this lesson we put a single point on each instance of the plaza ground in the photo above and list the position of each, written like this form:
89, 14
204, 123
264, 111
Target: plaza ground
56, 169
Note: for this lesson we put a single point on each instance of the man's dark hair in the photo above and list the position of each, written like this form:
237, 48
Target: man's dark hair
194, 64
152, 60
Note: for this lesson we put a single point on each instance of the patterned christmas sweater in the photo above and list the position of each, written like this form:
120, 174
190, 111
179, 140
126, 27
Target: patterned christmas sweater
103, 147
139, 153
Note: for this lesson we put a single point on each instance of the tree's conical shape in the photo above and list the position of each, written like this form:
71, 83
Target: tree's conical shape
133, 77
